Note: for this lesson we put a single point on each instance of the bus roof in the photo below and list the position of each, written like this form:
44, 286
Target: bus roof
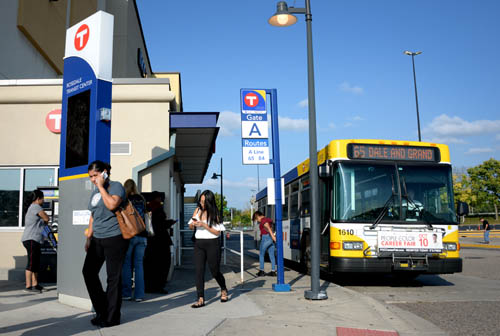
337, 150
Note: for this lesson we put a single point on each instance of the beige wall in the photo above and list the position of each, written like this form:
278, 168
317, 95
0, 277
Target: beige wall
175, 85
13, 253
23, 125
139, 115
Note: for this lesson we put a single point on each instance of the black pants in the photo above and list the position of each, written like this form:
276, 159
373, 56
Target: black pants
33, 249
156, 264
112, 250
207, 250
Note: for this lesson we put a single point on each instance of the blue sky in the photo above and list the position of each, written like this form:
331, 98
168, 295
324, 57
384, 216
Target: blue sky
364, 82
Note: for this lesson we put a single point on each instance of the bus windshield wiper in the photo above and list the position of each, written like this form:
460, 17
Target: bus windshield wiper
415, 206
386, 206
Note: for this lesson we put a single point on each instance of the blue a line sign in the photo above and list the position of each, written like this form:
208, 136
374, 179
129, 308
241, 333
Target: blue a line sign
254, 127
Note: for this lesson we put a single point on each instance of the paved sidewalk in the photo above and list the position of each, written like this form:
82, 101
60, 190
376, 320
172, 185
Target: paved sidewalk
253, 309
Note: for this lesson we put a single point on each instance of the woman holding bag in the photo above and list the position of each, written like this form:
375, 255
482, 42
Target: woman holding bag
206, 247
104, 243
135, 254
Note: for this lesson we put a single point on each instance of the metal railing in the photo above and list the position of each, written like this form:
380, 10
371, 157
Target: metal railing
241, 253
225, 248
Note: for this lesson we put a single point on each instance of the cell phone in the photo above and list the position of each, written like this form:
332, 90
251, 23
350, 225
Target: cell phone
104, 175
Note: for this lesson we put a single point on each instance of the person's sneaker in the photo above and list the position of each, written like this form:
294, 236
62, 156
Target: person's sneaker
272, 273
28, 289
126, 298
261, 273
139, 300
38, 288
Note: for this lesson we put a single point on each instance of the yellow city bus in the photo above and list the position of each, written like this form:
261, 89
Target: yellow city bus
385, 207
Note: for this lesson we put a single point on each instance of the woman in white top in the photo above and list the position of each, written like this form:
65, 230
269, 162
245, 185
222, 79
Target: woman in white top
208, 226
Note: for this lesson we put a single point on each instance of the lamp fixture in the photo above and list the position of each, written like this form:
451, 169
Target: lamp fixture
282, 17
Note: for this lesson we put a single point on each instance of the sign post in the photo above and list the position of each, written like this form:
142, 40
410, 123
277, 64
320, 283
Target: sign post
254, 126
85, 137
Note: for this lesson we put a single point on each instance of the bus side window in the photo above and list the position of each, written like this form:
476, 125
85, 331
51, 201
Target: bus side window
285, 206
305, 203
294, 205
263, 205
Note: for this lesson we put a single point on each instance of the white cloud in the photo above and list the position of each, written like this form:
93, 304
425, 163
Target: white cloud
348, 124
358, 118
346, 87
209, 183
479, 150
229, 123
446, 126
289, 124
331, 125
444, 140
303, 103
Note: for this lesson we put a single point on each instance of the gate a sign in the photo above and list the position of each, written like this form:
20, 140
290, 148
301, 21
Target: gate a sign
254, 126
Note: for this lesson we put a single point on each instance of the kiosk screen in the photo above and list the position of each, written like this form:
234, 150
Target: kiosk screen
77, 130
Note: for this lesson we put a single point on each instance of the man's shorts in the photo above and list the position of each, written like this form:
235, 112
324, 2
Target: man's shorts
34, 253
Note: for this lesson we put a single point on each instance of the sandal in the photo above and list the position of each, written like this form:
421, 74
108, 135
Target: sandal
223, 296
200, 303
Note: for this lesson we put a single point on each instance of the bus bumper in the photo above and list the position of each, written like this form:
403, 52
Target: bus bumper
385, 265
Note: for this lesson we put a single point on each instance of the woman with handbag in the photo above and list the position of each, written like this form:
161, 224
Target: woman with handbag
208, 227
104, 243
137, 245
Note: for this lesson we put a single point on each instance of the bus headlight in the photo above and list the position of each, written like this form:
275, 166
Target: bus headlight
450, 246
352, 245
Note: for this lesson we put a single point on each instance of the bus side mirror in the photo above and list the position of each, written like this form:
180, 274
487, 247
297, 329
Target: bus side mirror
324, 171
462, 209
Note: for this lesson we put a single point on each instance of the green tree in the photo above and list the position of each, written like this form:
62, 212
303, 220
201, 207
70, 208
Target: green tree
485, 183
226, 210
462, 190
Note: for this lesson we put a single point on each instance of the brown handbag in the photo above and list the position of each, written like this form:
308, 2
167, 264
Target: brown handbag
130, 221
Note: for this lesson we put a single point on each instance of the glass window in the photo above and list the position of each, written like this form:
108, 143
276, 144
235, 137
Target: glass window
305, 203
9, 197
262, 205
362, 191
294, 205
427, 194
285, 206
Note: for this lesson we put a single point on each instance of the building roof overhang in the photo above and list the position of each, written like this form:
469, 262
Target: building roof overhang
196, 133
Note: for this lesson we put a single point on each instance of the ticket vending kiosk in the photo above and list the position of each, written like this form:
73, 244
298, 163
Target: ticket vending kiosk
48, 258
85, 137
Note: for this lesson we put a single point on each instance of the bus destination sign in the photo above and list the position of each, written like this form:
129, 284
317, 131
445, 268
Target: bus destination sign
393, 152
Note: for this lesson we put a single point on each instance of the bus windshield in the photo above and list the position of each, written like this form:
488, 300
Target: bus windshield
401, 193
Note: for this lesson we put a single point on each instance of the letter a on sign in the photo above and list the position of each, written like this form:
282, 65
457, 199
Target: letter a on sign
254, 129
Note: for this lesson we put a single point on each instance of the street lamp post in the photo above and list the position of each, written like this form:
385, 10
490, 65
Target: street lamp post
283, 18
413, 54
214, 177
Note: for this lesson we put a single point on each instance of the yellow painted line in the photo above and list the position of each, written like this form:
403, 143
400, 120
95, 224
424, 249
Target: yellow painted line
481, 246
73, 177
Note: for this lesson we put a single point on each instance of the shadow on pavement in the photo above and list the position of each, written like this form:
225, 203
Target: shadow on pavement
66, 325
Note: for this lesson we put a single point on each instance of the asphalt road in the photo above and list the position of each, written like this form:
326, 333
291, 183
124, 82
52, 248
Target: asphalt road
466, 303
